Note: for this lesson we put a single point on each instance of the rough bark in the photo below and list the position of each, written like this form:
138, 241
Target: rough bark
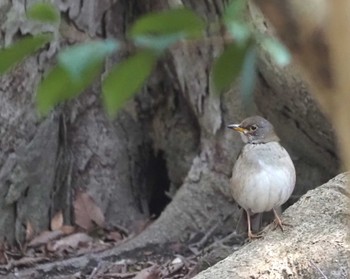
284, 97
219, 148
170, 138
110, 156
29, 151
316, 243
320, 29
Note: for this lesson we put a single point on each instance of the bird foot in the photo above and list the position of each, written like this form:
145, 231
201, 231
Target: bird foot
279, 224
252, 236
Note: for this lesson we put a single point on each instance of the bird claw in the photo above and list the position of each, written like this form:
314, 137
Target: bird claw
252, 236
278, 222
281, 225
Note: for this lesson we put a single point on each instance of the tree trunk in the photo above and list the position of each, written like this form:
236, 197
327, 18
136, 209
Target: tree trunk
170, 138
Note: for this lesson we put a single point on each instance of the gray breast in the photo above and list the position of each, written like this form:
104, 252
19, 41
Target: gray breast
263, 177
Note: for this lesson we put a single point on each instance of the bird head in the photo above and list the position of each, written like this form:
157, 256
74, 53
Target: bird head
255, 129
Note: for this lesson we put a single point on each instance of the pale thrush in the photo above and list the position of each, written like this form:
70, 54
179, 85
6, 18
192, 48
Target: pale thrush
263, 177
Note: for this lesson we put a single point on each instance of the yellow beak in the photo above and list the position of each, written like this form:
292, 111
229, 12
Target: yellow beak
237, 128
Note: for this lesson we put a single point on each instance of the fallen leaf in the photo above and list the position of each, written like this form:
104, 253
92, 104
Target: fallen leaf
3, 257
177, 247
139, 226
66, 229
28, 261
193, 271
29, 231
175, 266
57, 221
72, 241
44, 238
114, 236
122, 266
149, 273
86, 212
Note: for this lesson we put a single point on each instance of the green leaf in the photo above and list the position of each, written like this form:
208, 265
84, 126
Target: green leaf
248, 77
235, 10
125, 79
169, 22
59, 86
158, 43
234, 20
228, 66
77, 67
12, 55
52, 89
160, 29
45, 12
78, 59
239, 31
277, 50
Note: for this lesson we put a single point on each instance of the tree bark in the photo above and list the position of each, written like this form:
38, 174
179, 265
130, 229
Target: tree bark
170, 138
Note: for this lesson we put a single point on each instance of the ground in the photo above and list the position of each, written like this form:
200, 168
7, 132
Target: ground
170, 260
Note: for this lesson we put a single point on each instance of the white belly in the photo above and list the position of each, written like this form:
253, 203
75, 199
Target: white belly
268, 183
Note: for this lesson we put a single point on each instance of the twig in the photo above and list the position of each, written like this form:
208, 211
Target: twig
208, 234
120, 275
319, 270
94, 271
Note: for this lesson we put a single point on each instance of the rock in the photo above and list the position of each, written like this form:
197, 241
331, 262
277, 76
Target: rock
315, 246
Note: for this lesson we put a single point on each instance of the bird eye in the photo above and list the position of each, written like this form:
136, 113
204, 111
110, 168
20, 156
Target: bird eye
253, 127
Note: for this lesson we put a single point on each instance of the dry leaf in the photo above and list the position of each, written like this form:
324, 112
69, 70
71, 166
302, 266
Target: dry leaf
57, 221
3, 257
114, 236
29, 231
149, 273
86, 211
66, 229
72, 241
28, 261
44, 238
139, 226
175, 266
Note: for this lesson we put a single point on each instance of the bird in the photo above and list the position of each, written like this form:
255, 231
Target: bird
263, 176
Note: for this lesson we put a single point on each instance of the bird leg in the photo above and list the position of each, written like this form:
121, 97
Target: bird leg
278, 222
251, 235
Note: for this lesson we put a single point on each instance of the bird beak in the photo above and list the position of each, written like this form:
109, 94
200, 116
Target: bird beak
237, 128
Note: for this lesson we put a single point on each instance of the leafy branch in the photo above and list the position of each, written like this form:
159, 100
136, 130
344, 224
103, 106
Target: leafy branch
150, 36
